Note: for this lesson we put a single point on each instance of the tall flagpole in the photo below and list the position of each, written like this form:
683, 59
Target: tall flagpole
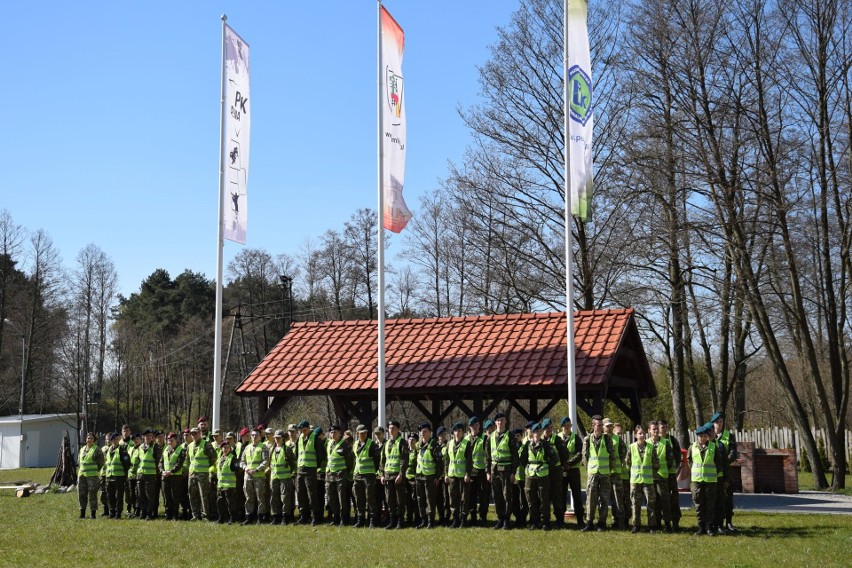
381, 230
569, 245
220, 245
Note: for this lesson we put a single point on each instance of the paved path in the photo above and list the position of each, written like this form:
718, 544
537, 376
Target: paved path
804, 502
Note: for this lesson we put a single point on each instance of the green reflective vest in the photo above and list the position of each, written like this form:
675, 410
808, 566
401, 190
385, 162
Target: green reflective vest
112, 463
198, 460
364, 463
616, 450
410, 473
133, 454
336, 462
519, 472
185, 468
307, 451
721, 472
279, 467
147, 465
478, 456
456, 454
537, 465
171, 458
660, 447
254, 457
392, 451
598, 458
88, 465
704, 470
501, 454
641, 465
104, 450
554, 439
425, 461
571, 446
227, 478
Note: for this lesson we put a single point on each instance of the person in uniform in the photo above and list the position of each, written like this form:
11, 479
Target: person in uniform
674, 494
255, 464
310, 453
599, 457
457, 477
240, 494
501, 462
185, 504
625, 474
148, 471
91, 461
367, 457
666, 463
429, 472
704, 462
727, 439
413, 510
203, 425
226, 474
537, 459
131, 492
338, 471
116, 465
520, 505
174, 478
127, 442
617, 496
556, 471
201, 456
480, 496
443, 493
104, 497
722, 474
643, 463
573, 445
394, 466
282, 469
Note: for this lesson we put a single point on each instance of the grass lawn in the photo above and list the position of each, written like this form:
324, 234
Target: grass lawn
44, 530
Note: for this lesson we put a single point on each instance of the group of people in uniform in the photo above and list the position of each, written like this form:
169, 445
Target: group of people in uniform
306, 475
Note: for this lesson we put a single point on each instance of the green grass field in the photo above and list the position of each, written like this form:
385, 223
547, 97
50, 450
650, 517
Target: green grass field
43, 530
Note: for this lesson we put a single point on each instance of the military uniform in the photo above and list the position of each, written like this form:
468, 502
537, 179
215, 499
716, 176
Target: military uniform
91, 461
618, 496
174, 480
643, 464
520, 505
705, 462
201, 455
429, 469
600, 459
665, 457
116, 465
255, 464
394, 464
367, 457
728, 439
148, 470
459, 465
674, 493
555, 476
574, 450
226, 486
537, 458
413, 510
310, 454
479, 486
501, 459
338, 487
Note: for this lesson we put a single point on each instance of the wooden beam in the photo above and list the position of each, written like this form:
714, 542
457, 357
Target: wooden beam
523, 411
277, 404
548, 407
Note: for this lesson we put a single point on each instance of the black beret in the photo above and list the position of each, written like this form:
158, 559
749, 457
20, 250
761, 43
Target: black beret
424, 426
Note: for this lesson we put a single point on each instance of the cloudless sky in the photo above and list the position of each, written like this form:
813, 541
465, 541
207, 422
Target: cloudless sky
111, 119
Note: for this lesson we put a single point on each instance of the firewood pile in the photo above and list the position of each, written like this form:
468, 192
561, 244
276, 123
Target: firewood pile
65, 474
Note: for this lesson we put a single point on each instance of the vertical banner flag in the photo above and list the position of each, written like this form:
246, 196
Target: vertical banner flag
396, 214
235, 147
580, 108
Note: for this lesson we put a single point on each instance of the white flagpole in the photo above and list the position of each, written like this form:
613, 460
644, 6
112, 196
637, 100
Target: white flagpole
220, 245
569, 245
381, 236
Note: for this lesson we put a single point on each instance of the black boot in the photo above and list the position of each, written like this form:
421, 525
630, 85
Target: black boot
391, 523
507, 524
588, 527
249, 520
499, 524
360, 522
399, 522
106, 512
700, 531
373, 522
83, 513
94, 513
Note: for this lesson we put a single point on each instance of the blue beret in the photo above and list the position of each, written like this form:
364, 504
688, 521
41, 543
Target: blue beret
303, 424
536, 426
529, 424
499, 415
440, 430
564, 421
472, 420
545, 423
458, 426
708, 426
487, 424
717, 416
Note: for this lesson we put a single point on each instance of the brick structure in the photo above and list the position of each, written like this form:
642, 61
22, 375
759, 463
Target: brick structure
761, 470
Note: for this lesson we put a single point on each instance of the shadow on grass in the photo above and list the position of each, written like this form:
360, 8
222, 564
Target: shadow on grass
815, 531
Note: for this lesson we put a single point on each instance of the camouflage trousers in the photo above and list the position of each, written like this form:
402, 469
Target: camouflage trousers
637, 492
661, 488
618, 498
199, 495
87, 492
364, 488
459, 497
537, 490
704, 497
598, 489
281, 498
257, 495
674, 499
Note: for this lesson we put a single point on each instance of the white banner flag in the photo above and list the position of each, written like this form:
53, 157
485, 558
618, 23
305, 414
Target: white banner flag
235, 150
396, 214
580, 108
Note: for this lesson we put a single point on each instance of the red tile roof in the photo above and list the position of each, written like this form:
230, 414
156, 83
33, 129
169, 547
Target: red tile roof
501, 352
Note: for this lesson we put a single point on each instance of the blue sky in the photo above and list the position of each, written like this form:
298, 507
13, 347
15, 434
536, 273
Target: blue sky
111, 121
